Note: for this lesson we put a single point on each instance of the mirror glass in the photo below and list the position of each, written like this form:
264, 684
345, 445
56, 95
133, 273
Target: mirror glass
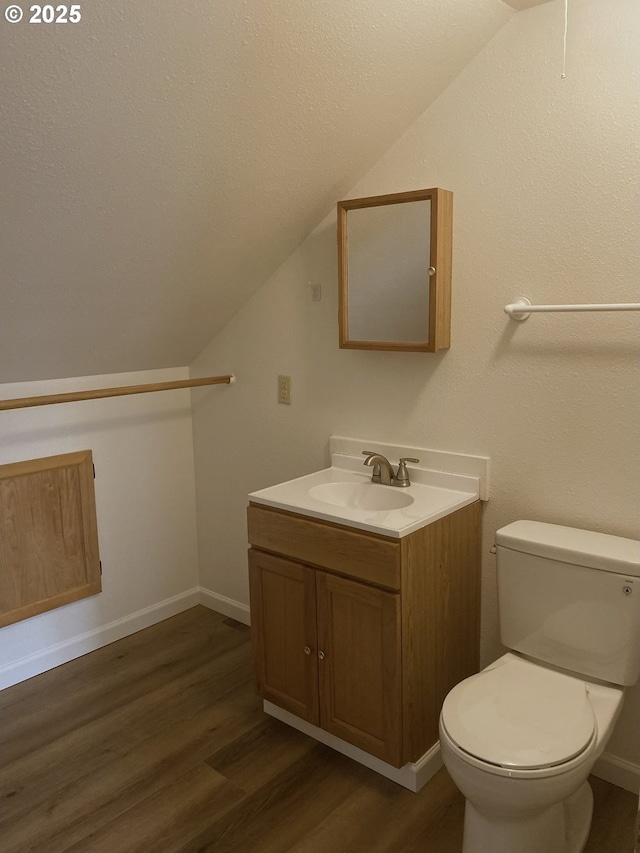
394, 268
389, 258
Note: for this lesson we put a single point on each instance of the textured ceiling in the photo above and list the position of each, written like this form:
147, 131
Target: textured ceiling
161, 159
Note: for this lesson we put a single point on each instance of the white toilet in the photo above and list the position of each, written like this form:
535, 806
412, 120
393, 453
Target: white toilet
520, 738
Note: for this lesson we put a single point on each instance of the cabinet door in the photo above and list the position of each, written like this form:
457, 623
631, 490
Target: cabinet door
359, 649
283, 632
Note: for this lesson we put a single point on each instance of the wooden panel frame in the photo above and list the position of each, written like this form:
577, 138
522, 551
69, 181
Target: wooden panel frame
441, 255
49, 535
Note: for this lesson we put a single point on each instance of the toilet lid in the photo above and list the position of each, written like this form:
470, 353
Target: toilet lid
520, 715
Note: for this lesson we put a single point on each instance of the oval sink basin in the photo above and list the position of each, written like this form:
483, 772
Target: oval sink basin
366, 496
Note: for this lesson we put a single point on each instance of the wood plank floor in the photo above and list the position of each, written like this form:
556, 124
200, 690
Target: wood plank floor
157, 744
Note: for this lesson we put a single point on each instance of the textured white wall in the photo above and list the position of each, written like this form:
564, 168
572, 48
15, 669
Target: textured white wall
544, 173
145, 498
141, 146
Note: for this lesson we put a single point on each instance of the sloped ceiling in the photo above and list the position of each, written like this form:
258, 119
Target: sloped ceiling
161, 159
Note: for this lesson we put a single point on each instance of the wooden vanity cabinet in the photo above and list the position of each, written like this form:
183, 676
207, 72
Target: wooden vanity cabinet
360, 634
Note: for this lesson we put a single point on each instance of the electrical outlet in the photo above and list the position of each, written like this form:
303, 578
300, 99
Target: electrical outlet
284, 389
316, 292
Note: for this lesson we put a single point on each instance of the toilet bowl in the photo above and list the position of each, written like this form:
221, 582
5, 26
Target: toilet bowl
519, 740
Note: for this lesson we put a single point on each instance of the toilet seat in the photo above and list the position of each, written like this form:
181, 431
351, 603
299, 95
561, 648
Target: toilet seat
519, 715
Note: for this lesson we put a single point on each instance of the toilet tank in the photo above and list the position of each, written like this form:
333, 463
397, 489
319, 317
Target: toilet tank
571, 598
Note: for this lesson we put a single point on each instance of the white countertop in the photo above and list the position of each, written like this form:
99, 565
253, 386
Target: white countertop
433, 495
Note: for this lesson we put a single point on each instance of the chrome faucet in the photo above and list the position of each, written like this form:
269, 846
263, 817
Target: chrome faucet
383, 472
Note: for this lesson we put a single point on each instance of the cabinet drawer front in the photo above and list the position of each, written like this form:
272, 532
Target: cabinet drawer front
369, 558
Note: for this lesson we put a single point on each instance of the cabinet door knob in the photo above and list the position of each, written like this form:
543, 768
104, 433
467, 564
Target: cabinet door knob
307, 650
321, 655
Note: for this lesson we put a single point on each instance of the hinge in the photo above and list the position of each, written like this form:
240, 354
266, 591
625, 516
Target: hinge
94, 470
100, 568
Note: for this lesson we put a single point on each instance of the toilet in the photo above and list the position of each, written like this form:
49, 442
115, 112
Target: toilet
520, 738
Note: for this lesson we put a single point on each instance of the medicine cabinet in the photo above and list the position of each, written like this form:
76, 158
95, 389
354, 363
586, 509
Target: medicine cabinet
394, 271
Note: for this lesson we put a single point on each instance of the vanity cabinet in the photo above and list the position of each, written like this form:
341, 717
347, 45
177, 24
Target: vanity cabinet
328, 650
360, 634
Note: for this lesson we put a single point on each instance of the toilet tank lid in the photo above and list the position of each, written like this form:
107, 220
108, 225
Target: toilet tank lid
572, 545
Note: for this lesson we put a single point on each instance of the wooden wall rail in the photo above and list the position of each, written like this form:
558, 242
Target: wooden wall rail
72, 397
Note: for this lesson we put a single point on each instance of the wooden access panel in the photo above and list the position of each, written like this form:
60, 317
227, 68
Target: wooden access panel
48, 535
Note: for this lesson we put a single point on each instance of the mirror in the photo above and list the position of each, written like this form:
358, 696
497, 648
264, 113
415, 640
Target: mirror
394, 271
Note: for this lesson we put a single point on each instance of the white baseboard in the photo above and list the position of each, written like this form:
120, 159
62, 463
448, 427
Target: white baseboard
411, 776
226, 606
619, 772
612, 769
75, 647
34, 664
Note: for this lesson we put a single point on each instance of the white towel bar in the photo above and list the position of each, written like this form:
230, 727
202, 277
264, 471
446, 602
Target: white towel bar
522, 308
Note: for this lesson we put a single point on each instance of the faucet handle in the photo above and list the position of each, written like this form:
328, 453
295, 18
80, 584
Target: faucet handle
402, 477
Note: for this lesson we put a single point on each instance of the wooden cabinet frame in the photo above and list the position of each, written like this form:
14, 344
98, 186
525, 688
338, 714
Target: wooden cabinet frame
439, 264
416, 599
